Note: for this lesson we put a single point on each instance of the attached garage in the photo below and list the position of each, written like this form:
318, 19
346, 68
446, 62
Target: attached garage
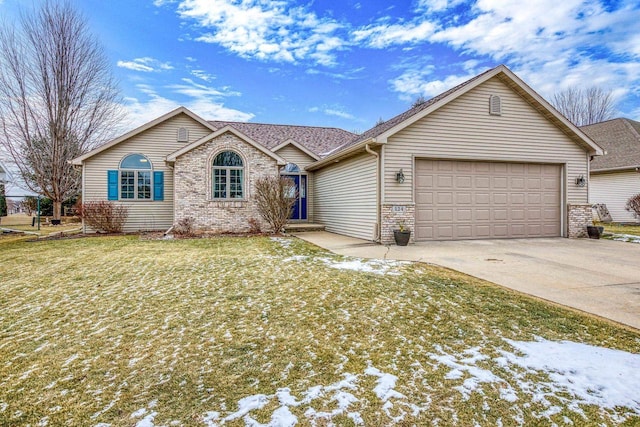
487, 159
481, 200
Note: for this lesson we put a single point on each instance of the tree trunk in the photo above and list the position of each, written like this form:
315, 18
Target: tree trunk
57, 209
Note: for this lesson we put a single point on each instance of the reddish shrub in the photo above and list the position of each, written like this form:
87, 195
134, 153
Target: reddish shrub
104, 216
633, 205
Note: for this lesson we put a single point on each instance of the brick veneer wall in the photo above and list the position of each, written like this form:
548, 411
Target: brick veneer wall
193, 186
579, 217
391, 220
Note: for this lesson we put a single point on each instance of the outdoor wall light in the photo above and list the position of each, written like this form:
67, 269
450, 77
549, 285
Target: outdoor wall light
580, 181
400, 176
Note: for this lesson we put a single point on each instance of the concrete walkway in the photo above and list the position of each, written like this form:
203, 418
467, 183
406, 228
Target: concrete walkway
601, 277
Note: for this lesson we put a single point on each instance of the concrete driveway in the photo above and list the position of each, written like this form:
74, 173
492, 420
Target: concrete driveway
601, 277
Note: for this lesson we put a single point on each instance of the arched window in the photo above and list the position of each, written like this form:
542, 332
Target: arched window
135, 177
290, 168
228, 176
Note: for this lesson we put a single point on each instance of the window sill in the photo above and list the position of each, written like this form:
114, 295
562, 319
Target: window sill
228, 203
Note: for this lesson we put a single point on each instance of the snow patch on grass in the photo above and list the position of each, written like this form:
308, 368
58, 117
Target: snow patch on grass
376, 266
590, 375
340, 396
593, 375
625, 238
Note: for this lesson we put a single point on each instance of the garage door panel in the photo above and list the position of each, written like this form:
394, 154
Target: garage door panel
444, 198
475, 200
500, 214
425, 181
464, 215
424, 198
464, 181
464, 198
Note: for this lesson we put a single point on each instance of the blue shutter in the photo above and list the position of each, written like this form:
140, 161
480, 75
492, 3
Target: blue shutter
158, 185
112, 185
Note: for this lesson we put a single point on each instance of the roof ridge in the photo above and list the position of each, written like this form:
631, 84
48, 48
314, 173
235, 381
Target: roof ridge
633, 128
280, 124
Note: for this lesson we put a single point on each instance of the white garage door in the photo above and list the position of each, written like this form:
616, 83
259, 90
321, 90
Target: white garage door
458, 200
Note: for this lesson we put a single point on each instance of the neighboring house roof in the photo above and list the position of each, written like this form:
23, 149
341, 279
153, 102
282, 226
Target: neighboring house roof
380, 133
621, 140
319, 140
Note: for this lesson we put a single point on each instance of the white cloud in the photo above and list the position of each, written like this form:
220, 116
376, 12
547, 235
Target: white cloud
415, 82
551, 44
265, 29
203, 75
146, 65
384, 35
336, 111
202, 100
437, 5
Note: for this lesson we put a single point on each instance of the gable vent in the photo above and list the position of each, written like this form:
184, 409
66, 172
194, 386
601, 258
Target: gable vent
183, 135
495, 105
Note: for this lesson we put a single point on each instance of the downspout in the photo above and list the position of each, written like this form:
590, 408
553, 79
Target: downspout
377, 156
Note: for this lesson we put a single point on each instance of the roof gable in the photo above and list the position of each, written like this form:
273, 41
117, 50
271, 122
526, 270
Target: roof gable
383, 131
621, 140
298, 146
173, 156
139, 130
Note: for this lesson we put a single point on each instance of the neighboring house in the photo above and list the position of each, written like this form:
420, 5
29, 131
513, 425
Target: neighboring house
487, 159
615, 177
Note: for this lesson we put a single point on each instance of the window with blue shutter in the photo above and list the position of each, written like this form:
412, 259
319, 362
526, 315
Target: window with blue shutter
134, 180
112, 185
158, 185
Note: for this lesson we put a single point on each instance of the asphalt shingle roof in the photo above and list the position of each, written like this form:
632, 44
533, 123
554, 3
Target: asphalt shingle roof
319, 140
620, 138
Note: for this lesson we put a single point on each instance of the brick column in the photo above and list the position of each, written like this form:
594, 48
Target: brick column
579, 216
392, 216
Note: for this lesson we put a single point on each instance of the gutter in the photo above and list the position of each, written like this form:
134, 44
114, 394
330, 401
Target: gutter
377, 156
618, 169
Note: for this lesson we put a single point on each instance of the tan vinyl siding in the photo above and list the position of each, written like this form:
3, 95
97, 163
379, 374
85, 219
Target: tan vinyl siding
464, 129
155, 143
294, 155
614, 189
345, 197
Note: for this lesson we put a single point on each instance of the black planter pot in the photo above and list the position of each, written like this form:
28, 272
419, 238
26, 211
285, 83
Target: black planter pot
55, 222
401, 237
594, 232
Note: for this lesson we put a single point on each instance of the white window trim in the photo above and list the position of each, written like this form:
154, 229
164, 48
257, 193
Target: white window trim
227, 170
136, 197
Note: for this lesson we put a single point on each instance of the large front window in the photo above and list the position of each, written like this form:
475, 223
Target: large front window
135, 177
228, 176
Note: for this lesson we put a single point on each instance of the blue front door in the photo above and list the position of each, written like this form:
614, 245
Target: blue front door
299, 210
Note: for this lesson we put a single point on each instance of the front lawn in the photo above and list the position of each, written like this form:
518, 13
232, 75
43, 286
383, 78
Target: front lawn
627, 233
119, 331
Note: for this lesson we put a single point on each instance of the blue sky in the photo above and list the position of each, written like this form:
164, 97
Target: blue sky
348, 63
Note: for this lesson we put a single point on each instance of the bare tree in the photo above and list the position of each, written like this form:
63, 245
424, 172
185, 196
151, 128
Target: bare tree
275, 197
418, 101
585, 106
58, 98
